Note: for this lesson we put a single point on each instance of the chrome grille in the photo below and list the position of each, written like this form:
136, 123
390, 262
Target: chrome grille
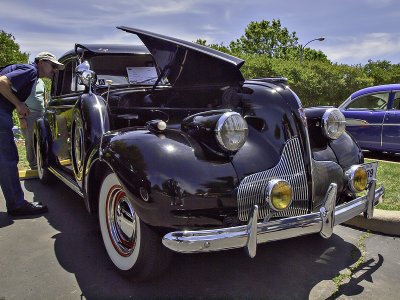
290, 168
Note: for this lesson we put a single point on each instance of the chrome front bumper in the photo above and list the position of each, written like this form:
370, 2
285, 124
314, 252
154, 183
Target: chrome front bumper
248, 236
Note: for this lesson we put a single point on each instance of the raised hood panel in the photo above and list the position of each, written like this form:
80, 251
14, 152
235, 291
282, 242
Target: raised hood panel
185, 63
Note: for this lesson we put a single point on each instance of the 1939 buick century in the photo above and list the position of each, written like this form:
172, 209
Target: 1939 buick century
174, 150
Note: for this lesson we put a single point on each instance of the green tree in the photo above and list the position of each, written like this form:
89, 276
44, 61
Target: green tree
9, 50
219, 47
315, 82
380, 71
10, 54
308, 55
264, 37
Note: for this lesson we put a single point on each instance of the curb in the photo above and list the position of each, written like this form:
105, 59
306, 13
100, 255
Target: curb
384, 221
28, 174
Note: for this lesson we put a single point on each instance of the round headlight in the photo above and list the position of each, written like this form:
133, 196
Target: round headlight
333, 123
231, 131
357, 178
279, 194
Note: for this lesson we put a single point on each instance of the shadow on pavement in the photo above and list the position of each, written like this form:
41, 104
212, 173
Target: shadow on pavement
393, 157
363, 273
5, 220
283, 269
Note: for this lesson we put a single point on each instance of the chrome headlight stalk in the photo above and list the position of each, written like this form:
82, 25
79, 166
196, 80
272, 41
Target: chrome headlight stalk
333, 123
357, 178
278, 194
231, 131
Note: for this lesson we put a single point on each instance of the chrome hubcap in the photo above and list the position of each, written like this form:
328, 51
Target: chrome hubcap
121, 221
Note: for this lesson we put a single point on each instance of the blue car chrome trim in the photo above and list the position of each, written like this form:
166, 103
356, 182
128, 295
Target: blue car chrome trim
248, 236
356, 122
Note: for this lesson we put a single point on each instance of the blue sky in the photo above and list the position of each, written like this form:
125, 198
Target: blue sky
354, 30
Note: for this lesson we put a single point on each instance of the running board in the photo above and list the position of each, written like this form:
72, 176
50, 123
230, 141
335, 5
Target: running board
64, 177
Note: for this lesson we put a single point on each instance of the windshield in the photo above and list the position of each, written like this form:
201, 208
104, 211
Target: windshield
124, 69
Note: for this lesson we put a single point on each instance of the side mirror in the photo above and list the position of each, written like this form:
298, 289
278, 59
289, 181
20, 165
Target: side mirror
86, 76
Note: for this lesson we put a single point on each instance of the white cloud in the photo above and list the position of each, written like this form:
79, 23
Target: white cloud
375, 46
379, 3
56, 25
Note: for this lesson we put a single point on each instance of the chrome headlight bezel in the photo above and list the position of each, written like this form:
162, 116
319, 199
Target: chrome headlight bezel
231, 131
333, 123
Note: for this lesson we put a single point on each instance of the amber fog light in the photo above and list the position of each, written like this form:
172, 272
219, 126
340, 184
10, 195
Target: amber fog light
279, 194
357, 178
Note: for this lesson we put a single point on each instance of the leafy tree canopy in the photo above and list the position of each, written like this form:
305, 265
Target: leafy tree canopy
264, 37
382, 71
9, 50
268, 38
219, 47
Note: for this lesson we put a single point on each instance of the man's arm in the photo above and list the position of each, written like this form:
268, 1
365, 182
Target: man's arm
6, 91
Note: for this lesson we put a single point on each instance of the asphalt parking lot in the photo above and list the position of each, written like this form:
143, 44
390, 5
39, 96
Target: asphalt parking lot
60, 256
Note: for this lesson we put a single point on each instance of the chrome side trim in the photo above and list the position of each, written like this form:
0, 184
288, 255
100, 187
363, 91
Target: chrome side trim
243, 236
290, 168
365, 123
356, 122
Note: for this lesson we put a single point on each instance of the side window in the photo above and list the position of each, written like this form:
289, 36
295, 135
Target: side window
396, 101
67, 78
370, 102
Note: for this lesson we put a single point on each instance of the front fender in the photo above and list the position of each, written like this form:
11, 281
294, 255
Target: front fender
344, 150
168, 183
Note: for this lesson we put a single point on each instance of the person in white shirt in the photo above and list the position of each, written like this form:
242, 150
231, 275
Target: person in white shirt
36, 103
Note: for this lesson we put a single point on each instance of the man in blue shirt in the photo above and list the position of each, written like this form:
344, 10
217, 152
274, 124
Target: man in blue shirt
16, 84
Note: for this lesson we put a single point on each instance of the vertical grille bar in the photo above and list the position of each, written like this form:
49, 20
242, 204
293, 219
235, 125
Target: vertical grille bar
290, 168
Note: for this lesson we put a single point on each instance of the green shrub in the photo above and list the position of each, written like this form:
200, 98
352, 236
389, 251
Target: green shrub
315, 82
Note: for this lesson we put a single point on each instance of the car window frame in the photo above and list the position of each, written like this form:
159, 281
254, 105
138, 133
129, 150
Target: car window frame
368, 109
393, 98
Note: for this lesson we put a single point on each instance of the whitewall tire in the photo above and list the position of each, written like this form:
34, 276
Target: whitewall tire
133, 247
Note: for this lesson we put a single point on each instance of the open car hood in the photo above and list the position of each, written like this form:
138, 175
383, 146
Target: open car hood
185, 63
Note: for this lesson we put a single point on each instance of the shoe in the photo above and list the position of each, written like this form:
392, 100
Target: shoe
29, 208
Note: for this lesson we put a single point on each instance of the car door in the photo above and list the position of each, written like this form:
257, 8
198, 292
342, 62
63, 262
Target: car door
364, 119
59, 115
391, 126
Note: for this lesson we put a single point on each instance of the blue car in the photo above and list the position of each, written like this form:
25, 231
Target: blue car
373, 117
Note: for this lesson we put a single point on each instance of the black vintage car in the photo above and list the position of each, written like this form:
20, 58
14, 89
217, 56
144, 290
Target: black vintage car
173, 149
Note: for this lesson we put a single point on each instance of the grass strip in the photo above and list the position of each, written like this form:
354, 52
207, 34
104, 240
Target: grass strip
349, 272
